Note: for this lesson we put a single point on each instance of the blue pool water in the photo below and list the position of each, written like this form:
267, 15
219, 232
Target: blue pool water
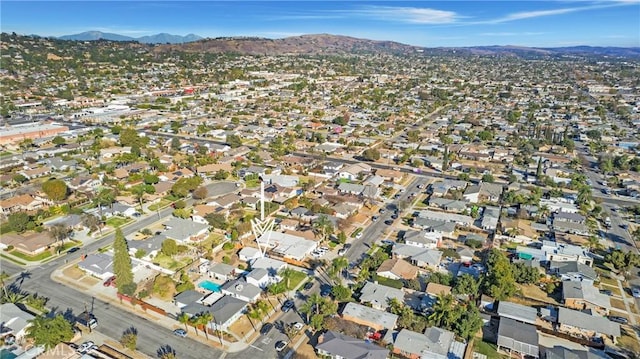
6, 354
209, 286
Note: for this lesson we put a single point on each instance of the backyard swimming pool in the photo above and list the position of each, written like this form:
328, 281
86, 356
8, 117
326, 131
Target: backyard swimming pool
7, 354
209, 286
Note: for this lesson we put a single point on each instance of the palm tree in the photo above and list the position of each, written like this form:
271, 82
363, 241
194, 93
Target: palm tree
337, 266
442, 310
14, 295
205, 318
286, 274
194, 322
323, 226
4, 276
184, 319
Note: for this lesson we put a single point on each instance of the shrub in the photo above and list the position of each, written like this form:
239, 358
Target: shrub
228, 246
226, 260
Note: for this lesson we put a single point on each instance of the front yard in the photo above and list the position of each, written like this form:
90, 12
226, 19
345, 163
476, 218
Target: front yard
116, 222
167, 262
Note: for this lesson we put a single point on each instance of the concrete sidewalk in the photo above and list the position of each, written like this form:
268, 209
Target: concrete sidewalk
154, 317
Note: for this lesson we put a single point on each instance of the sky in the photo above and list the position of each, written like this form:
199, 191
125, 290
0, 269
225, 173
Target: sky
422, 23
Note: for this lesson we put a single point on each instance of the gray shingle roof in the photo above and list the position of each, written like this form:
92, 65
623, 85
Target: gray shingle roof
519, 312
339, 345
517, 336
586, 321
585, 291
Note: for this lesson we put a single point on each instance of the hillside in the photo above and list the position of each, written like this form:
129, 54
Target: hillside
297, 45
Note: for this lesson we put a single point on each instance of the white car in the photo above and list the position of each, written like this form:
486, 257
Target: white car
298, 326
85, 347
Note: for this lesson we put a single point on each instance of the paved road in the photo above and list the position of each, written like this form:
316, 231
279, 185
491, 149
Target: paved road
375, 231
112, 319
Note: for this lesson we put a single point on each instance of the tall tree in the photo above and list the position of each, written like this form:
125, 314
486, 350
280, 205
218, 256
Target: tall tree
122, 263
499, 283
205, 319
49, 331
59, 232
55, 189
184, 319
323, 226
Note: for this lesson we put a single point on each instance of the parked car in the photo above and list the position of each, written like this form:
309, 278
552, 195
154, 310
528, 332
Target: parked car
110, 282
374, 218
342, 251
308, 286
617, 319
298, 326
325, 290
73, 249
85, 347
635, 291
288, 305
606, 291
266, 328
180, 332
281, 344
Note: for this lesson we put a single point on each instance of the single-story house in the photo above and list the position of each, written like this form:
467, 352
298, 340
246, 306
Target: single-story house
379, 295
185, 230
434, 343
339, 346
584, 295
517, 337
14, 321
374, 318
98, 265
398, 269
241, 289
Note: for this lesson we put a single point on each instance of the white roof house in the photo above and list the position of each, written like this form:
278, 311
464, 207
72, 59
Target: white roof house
287, 245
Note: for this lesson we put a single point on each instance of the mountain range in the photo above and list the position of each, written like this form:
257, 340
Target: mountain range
162, 38
319, 44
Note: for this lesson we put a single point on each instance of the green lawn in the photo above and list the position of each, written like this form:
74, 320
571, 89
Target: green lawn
296, 278
252, 183
487, 349
12, 259
116, 222
156, 206
28, 258
168, 262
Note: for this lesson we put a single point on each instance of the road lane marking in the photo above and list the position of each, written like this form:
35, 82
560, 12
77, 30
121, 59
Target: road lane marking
255, 347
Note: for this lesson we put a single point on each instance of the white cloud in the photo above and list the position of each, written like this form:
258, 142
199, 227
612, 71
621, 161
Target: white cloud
540, 13
410, 15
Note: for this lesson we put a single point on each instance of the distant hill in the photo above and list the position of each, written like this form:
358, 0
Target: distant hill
296, 45
321, 44
162, 38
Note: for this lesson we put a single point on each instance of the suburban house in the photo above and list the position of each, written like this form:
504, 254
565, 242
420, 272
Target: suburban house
221, 271
287, 246
584, 295
379, 295
271, 265
420, 257
484, 192
434, 343
185, 230
23, 203
150, 246
586, 324
423, 239
398, 269
373, 318
573, 271
261, 278
517, 312
31, 243
446, 217
98, 265
339, 346
241, 289
13, 322
443, 228
517, 337
247, 254
449, 205
353, 171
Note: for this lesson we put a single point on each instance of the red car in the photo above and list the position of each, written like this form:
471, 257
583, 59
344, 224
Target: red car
111, 282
